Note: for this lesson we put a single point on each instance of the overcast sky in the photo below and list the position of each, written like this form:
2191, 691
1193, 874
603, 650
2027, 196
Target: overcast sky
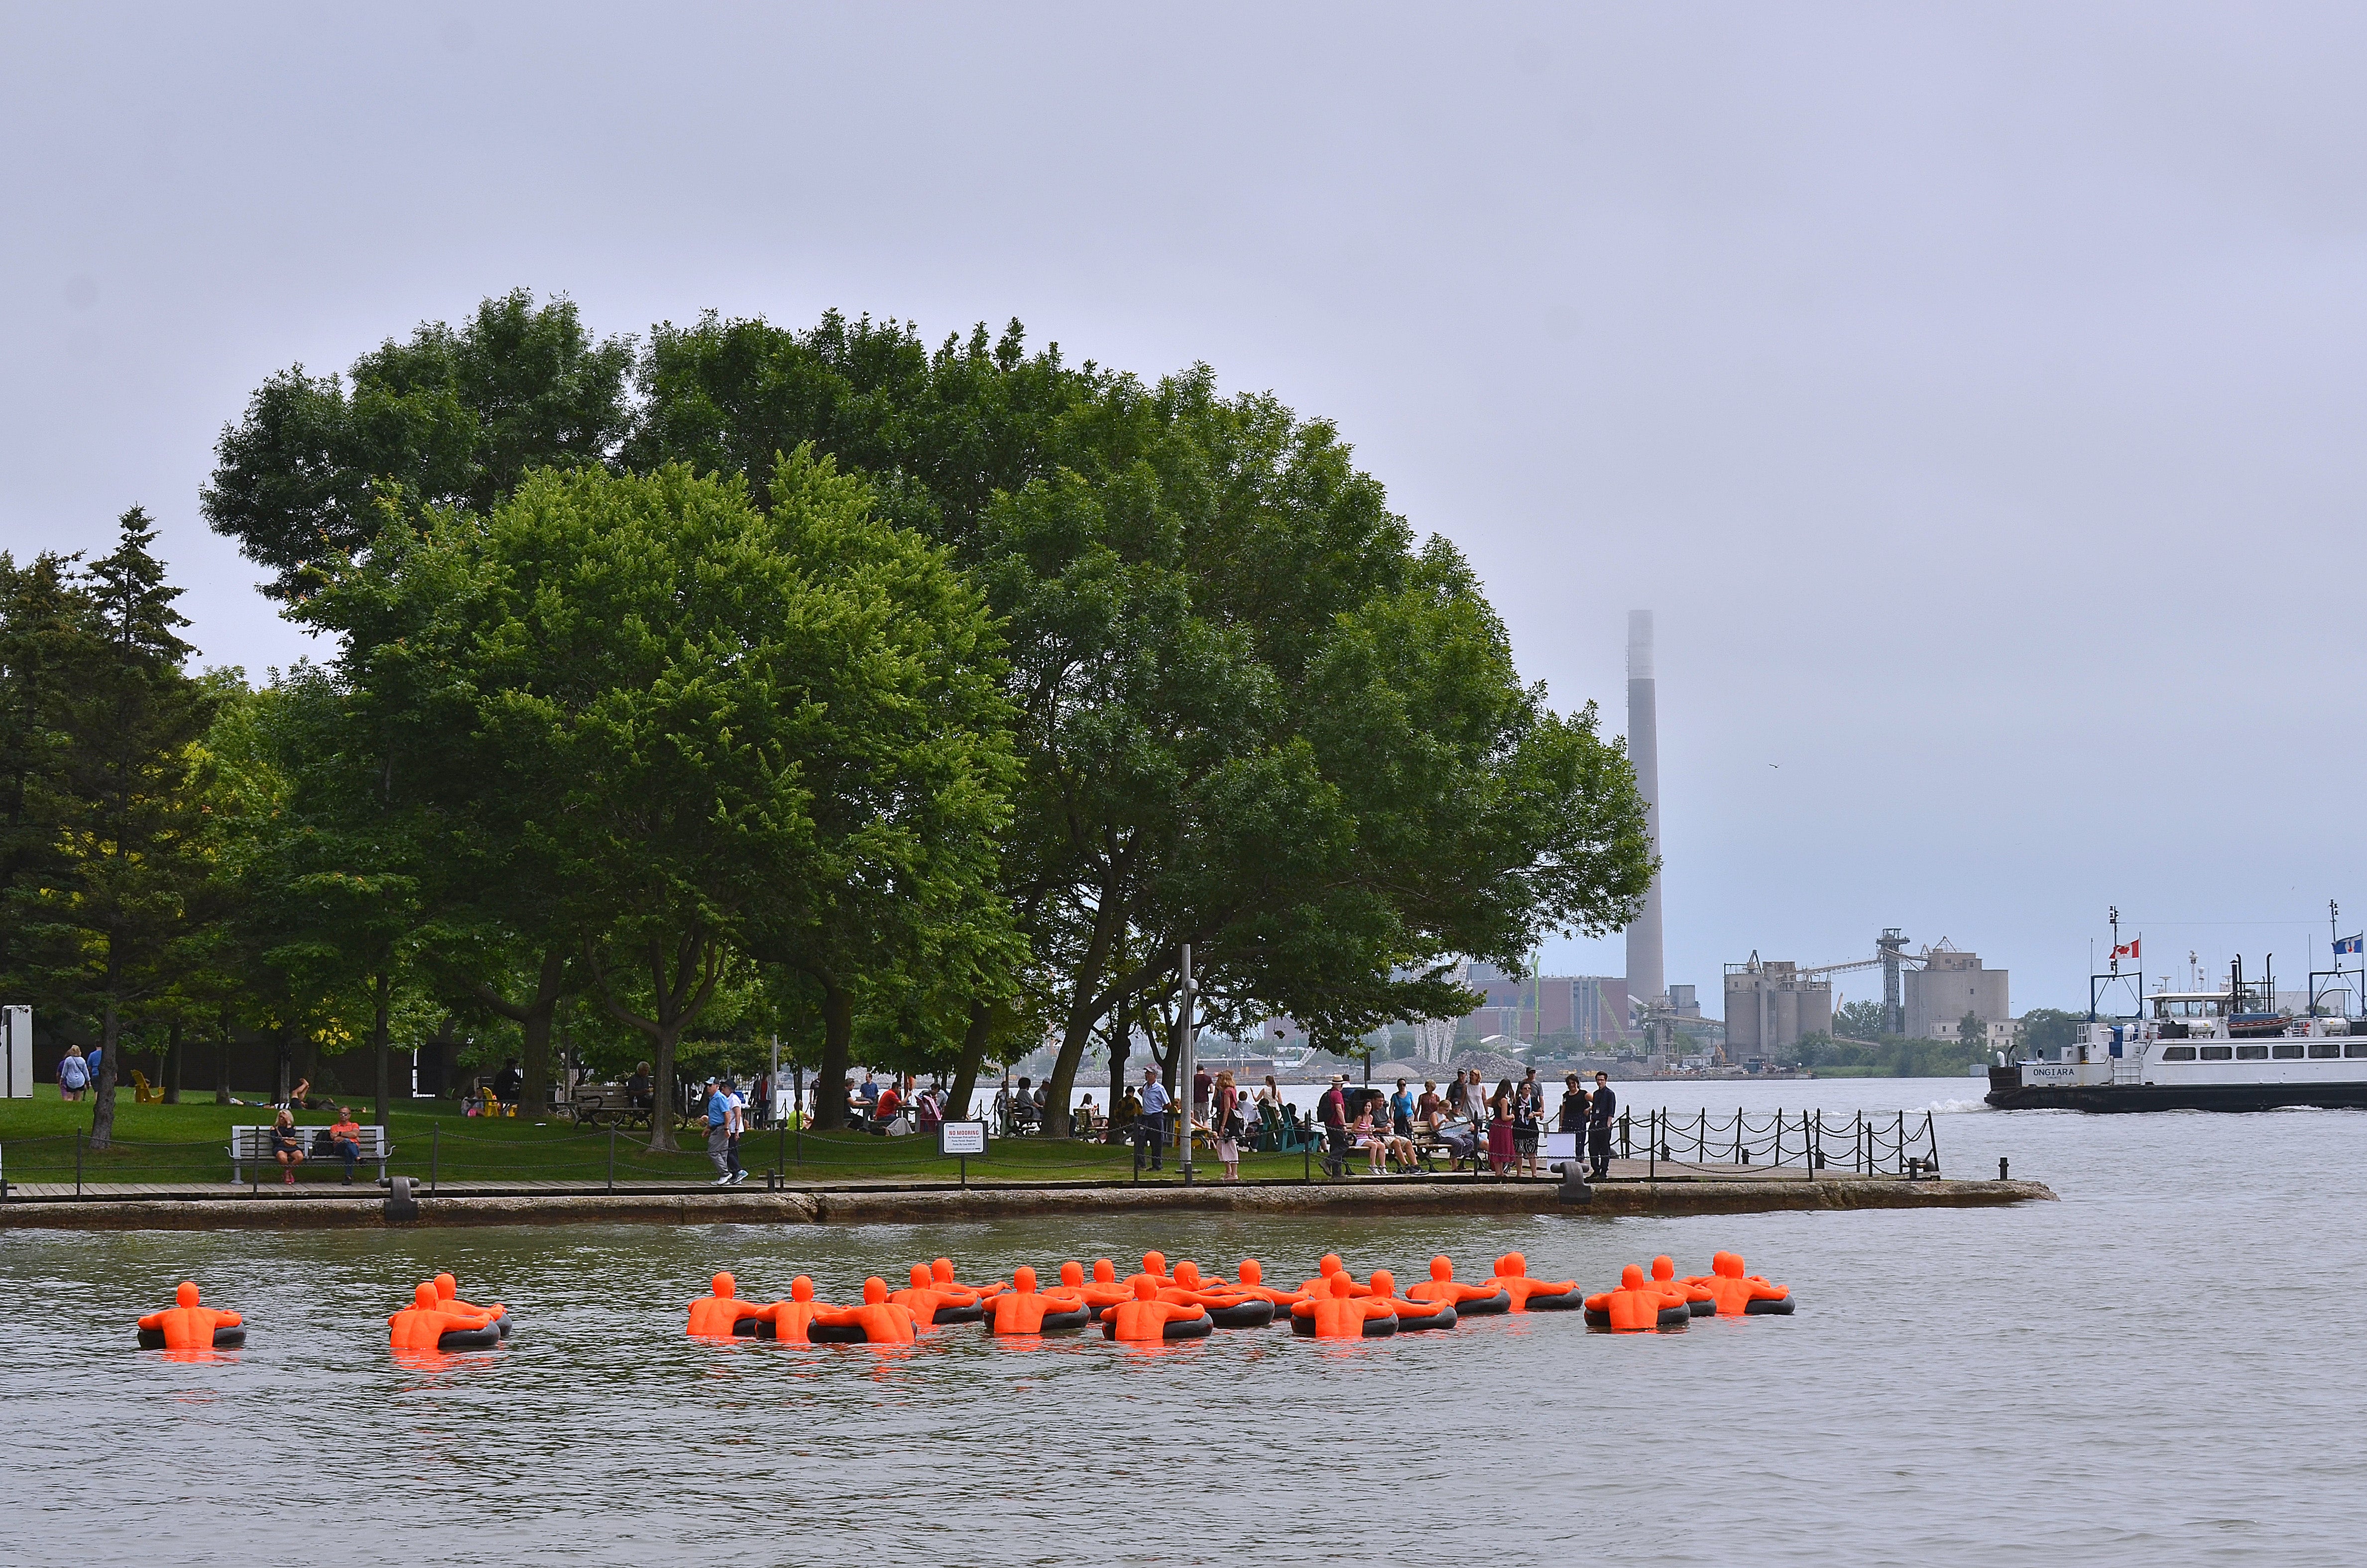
1974, 393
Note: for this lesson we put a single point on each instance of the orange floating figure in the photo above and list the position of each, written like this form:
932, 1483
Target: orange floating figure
1412, 1316
1697, 1297
713, 1316
1533, 1295
448, 1290
1341, 1314
1227, 1307
427, 1324
1101, 1290
1739, 1294
878, 1320
186, 1325
1147, 1318
791, 1321
1468, 1300
1636, 1306
1251, 1282
1024, 1309
932, 1303
1154, 1268
941, 1274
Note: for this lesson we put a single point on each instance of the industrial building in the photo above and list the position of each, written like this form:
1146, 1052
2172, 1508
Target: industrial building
1770, 1004
1591, 1007
1949, 985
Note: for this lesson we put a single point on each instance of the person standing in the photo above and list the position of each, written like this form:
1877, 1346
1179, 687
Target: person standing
1332, 1109
1152, 1130
738, 1124
73, 1074
1572, 1120
1501, 1147
1228, 1126
1401, 1110
718, 1130
1599, 1109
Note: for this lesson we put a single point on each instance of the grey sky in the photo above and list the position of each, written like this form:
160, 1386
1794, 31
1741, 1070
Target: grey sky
1974, 392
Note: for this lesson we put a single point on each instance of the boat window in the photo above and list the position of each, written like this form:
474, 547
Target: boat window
2285, 1053
2177, 1053
2323, 1053
2220, 1053
2355, 1049
2251, 1053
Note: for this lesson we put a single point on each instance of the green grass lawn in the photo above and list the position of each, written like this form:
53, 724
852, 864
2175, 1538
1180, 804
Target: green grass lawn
188, 1143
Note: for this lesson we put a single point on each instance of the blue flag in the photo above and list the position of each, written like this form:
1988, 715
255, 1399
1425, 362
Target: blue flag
2349, 944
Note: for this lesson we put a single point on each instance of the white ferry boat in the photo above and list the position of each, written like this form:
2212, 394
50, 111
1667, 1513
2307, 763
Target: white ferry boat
2196, 1050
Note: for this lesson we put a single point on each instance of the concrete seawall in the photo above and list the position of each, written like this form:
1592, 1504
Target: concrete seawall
1610, 1199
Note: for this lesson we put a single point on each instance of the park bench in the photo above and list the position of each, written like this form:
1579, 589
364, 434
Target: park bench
606, 1105
251, 1146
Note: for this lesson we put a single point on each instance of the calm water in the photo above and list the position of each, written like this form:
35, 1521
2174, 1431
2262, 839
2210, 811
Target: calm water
2154, 1369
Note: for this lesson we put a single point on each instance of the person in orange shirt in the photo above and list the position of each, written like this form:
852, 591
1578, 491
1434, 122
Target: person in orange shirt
346, 1139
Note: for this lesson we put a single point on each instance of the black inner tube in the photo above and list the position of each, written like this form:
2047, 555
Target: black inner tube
973, 1314
1375, 1328
1255, 1312
468, 1339
1062, 1322
835, 1333
1780, 1307
1676, 1316
1481, 1306
225, 1338
1442, 1318
1559, 1303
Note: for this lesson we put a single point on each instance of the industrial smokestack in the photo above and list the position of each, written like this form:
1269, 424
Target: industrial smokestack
1646, 982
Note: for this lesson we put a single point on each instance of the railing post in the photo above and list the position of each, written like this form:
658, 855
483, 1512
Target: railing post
612, 1156
1701, 1138
1857, 1143
77, 1162
1738, 1135
1902, 1142
1652, 1130
434, 1131
1931, 1141
1626, 1144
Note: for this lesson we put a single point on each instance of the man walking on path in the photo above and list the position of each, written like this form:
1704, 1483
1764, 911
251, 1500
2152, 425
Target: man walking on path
737, 1124
718, 1130
1151, 1129
1599, 1109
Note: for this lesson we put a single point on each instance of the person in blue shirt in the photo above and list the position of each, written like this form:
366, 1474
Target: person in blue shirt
1150, 1130
1401, 1110
718, 1130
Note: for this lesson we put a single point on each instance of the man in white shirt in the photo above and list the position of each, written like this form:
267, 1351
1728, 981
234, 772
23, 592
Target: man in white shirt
736, 1123
1152, 1129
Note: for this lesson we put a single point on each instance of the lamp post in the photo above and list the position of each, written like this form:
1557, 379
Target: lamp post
1191, 1048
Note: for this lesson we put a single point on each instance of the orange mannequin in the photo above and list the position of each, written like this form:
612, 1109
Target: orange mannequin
883, 1321
1325, 1266
1101, 1290
941, 1274
714, 1315
792, 1318
1411, 1315
1735, 1291
1513, 1276
924, 1297
425, 1320
186, 1326
1698, 1298
1145, 1317
1154, 1268
1253, 1283
1228, 1307
1022, 1309
1466, 1300
1638, 1305
448, 1288
1341, 1314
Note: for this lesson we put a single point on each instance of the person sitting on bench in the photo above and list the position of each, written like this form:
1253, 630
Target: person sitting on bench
638, 1094
286, 1146
346, 1139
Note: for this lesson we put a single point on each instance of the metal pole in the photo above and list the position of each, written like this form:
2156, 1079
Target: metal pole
1931, 1139
1857, 1141
1191, 1048
77, 1162
434, 1133
612, 1156
796, 1108
1902, 1142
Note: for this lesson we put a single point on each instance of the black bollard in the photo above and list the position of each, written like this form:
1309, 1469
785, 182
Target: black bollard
2001, 1169
401, 1207
1574, 1189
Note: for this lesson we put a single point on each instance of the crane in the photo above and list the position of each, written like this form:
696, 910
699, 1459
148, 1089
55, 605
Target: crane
1890, 956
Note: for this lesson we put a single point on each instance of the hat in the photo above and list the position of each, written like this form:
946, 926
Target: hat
1339, 1077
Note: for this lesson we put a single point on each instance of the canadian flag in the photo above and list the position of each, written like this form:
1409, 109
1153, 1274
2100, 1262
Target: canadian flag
2128, 950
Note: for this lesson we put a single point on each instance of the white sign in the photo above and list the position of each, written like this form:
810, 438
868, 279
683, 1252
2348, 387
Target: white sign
17, 1052
961, 1138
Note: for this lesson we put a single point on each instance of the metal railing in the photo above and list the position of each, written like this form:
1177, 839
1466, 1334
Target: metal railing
1867, 1145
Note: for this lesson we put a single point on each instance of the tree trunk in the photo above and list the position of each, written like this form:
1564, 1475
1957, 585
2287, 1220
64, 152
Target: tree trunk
973, 1051
221, 1071
287, 1047
680, 993
535, 1020
383, 989
174, 1053
837, 1048
111, 1051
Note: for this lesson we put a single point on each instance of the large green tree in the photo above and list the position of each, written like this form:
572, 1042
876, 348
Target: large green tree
454, 416
701, 721
107, 923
